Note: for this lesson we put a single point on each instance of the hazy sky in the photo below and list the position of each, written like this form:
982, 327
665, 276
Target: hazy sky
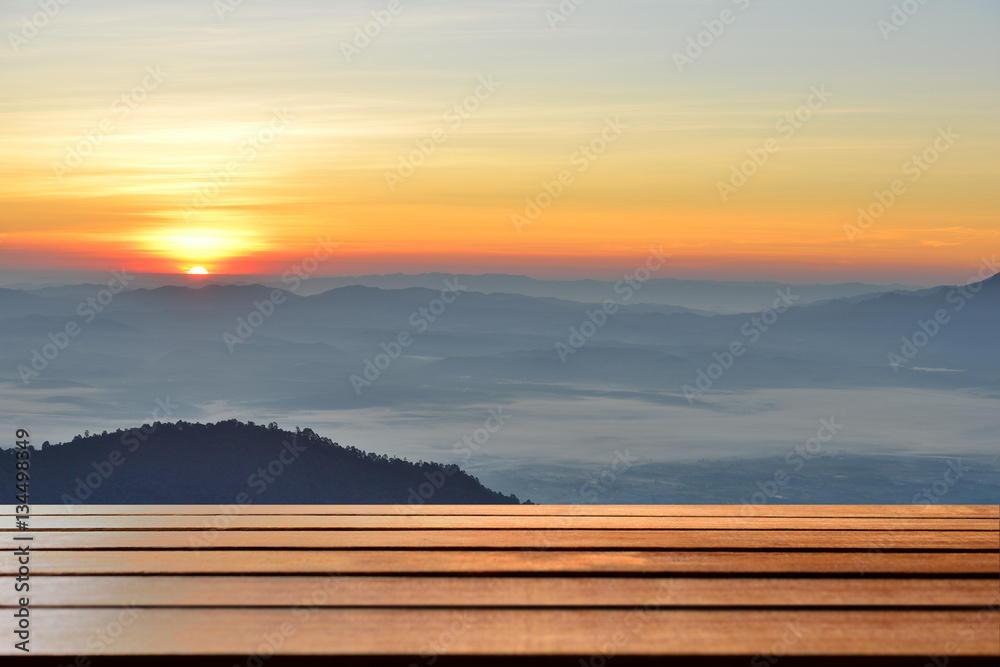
247, 132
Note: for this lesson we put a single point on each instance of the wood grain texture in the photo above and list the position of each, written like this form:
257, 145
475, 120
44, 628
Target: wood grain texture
512, 632
585, 581
415, 591
430, 561
519, 539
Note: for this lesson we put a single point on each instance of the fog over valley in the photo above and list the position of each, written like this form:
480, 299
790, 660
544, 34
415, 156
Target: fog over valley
571, 392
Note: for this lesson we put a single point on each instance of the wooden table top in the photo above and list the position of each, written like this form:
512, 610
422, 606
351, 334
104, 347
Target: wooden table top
585, 583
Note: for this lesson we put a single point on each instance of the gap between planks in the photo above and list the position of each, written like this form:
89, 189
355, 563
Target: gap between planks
521, 539
486, 591
407, 522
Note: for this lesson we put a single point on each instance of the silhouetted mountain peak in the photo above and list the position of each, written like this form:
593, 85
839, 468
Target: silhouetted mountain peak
233, 461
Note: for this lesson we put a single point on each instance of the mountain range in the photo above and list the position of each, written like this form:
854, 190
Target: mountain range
413, 371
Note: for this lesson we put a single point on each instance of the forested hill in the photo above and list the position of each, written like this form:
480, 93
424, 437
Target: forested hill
237, 463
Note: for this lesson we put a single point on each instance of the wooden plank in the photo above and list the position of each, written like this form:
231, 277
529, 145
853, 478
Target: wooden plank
379, 522
409, 591
520, 539
511, 632
484, 562
818, 511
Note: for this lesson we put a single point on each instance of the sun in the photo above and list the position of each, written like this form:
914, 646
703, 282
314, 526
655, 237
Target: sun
197, 271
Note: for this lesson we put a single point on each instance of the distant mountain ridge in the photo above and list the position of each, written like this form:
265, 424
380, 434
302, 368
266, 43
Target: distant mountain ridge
705, 296
232, 462
920, 356
691, 295
310, 346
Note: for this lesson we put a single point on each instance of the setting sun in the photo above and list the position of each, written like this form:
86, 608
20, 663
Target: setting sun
197, 271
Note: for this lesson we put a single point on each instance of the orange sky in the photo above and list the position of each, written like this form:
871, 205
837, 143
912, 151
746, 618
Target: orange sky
240, 150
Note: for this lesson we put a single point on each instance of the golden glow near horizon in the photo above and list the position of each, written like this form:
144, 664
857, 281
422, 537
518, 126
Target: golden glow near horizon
197, 271
439, 146
207, 245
